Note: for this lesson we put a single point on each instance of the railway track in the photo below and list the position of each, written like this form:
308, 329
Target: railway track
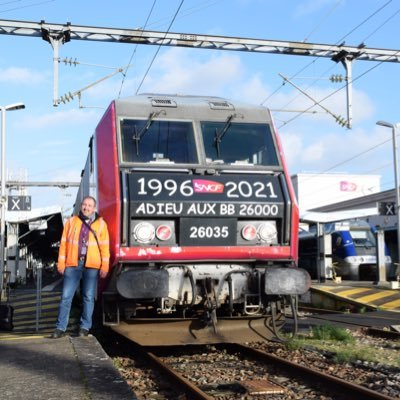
231, 371
379, 324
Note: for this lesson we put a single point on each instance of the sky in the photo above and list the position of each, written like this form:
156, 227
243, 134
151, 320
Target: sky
47, 143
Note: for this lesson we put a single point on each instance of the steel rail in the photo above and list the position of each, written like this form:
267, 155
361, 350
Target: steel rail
193, 391
383, 333
355, 391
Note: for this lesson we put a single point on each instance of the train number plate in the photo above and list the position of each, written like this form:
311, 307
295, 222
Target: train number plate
208, 232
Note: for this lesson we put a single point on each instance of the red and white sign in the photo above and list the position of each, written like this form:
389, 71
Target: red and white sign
346, 186
207, 186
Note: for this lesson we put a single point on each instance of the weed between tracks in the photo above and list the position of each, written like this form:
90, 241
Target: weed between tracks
343, 346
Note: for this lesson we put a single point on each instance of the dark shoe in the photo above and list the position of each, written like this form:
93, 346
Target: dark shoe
83, 332
57, 334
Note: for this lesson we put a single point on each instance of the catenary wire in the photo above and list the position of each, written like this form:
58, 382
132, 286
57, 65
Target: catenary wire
340, 40
323, 19
26, 6
134, 50
358, 77
185, 12
159, 47
381, 25
337, 42
350, 159
336, 91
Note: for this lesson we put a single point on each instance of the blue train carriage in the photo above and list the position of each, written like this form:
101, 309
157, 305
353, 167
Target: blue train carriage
354, 250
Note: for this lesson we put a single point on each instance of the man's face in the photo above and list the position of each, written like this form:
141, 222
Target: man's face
88, 207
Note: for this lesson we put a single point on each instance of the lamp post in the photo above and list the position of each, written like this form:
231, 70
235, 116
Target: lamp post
396, 179
3, 199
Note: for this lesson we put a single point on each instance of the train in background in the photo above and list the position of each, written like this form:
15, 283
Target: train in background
353, 246
202, 217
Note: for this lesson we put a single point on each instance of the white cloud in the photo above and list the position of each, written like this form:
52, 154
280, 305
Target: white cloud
21, 76
181, 72
62, 175
314, 153
334, 149
57, 119
252, 90
312, 6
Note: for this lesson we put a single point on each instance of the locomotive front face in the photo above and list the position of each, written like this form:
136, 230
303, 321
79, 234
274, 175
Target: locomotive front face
203, 182
208, 216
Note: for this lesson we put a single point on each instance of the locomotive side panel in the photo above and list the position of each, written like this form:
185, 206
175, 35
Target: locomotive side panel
108, 178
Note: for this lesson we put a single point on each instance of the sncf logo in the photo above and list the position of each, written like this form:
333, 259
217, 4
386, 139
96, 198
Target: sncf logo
346, 186
205, 186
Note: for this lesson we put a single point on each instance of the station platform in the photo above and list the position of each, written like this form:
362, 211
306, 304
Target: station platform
36, 367
367, 295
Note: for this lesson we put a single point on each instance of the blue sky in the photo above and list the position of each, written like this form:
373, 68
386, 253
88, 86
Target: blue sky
50, 143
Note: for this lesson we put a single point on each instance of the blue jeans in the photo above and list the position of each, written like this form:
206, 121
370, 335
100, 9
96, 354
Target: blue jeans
72, 278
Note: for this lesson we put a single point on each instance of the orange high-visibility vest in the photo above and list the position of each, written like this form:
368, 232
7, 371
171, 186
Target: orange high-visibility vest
98, 255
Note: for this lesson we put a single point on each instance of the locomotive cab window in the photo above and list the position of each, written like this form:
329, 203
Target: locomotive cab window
144, 141
239, 143
363, 238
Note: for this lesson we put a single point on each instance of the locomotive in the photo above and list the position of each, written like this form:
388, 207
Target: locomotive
202, 217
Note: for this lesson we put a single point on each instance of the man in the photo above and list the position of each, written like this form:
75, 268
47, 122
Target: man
84, 255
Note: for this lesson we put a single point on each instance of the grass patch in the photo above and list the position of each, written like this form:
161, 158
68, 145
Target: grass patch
344, 356
333, 333
117, 362
343, 346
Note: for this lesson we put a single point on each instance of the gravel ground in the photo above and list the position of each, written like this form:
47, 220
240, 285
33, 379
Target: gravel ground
213, 367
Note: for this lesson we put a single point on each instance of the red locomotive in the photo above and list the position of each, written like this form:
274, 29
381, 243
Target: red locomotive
202, 217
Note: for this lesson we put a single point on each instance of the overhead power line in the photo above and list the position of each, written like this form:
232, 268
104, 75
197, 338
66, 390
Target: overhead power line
57, 35
60, 184
134, 51
346, 63
159, 47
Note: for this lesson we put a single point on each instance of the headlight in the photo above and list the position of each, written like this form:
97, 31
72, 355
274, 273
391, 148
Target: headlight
267, 232
144, 232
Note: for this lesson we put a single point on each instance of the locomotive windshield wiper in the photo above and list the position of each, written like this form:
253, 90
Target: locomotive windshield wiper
139, 135
219, 134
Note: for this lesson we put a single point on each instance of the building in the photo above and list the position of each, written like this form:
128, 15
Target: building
317, 190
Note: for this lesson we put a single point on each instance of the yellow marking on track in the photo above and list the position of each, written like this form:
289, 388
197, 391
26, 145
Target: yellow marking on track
21, 298
30, 317
23, 317
391, 304
21, 337
33, 308
17, 304
375, 296
349, 292
32, 322
343, 291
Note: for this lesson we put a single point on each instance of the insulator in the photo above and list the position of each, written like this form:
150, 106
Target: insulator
337, 78
67, 97
69, 61
340, 120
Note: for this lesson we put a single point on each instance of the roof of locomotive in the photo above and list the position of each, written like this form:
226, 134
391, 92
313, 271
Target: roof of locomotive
186, 106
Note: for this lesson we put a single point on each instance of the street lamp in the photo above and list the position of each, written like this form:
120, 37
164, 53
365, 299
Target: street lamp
396, 180
3, 199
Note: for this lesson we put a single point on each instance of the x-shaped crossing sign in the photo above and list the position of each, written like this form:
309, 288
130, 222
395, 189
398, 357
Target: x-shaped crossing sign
19, 203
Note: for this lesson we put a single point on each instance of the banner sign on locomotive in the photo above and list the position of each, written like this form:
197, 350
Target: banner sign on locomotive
160, 195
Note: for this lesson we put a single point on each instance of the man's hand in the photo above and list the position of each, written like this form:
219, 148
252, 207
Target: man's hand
103, 274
